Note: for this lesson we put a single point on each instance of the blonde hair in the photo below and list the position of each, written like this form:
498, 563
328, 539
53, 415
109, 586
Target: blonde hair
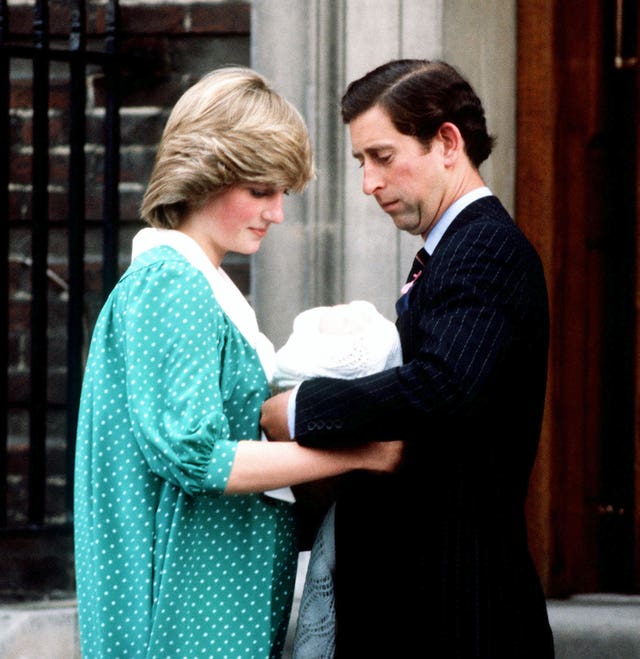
230, 127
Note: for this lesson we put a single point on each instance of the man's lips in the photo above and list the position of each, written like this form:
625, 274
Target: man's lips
388, 205
261, 233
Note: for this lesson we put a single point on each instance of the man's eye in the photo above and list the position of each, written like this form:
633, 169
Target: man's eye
259, 193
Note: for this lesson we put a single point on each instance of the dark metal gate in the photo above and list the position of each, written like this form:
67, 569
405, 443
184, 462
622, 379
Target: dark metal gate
43, 167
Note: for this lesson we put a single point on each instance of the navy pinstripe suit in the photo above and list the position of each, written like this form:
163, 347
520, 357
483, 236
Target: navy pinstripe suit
433, 561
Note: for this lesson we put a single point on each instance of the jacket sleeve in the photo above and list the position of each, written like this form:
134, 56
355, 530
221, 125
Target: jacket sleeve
481, 301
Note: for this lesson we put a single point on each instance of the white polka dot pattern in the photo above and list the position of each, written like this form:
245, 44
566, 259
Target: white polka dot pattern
166, 566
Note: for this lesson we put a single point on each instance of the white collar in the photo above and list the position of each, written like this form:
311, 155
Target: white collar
230, 298
450, 215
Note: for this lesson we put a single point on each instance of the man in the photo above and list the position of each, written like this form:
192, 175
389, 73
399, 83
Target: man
433, 560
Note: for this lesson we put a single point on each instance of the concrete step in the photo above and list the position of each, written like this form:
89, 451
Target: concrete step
598, 626
42, 630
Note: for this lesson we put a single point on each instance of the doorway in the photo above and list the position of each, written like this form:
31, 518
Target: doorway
577, 190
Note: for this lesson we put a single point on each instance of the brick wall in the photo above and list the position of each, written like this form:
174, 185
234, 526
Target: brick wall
166, 48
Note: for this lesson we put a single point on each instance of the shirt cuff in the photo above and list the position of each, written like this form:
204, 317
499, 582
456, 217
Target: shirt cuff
291, 412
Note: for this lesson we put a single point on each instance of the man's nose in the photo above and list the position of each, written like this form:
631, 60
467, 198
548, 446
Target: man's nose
371, 180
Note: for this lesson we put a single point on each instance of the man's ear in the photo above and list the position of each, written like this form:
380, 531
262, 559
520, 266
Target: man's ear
452, 142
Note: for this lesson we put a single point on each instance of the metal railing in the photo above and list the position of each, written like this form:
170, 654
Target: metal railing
37, 49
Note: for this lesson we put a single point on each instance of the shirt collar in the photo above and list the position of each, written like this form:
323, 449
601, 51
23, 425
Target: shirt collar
450, 215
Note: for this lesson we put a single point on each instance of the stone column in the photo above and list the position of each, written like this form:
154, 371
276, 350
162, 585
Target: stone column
377, 255
479, 38
299, 47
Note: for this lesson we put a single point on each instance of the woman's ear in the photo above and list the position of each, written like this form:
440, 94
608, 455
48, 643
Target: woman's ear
452, 142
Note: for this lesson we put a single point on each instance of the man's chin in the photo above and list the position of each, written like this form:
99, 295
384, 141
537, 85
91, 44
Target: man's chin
408, 224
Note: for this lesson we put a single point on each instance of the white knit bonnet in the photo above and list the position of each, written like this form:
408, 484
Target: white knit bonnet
342, 341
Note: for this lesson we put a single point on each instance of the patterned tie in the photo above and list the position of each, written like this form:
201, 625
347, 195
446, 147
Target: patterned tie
416, 270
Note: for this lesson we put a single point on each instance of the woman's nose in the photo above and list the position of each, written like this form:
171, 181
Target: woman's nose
275, 210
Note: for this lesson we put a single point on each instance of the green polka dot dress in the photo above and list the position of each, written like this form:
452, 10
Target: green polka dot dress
166, 565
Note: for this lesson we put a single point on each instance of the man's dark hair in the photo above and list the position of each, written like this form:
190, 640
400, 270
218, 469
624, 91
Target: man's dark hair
419, 96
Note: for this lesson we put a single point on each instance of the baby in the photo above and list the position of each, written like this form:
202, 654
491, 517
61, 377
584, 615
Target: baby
342, 341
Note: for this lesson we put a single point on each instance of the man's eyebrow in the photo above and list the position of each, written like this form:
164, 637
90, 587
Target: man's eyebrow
371, 149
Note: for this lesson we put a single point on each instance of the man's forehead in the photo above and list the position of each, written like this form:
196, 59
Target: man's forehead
372, 131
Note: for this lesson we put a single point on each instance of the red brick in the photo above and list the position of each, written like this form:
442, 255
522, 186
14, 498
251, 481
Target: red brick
163, 19
21, 130
58, 169
21, 95
20, 168
226, 18
58, 129
20, 19
215, 18
19, 387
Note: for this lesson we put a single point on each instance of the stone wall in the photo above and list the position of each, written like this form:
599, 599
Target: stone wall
166, 47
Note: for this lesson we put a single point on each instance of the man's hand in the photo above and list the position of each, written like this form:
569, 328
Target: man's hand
273, 418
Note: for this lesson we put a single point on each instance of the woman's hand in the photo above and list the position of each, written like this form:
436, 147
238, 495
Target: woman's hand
384, 457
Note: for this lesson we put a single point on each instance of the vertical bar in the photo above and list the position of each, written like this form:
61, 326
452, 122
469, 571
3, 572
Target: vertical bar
76, 244
5, 107
112, 149
39, 251
621, 61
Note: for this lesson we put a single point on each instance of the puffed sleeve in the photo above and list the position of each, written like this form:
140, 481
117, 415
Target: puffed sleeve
174, 333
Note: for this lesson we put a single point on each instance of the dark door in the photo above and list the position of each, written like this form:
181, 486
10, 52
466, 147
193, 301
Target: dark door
617, 243
577, 195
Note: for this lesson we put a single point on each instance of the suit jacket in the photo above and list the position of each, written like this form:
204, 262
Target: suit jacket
433, 560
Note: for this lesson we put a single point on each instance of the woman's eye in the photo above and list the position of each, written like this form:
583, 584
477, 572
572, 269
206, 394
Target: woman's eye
260, 193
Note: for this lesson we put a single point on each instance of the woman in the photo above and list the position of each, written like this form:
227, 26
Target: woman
178, 552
